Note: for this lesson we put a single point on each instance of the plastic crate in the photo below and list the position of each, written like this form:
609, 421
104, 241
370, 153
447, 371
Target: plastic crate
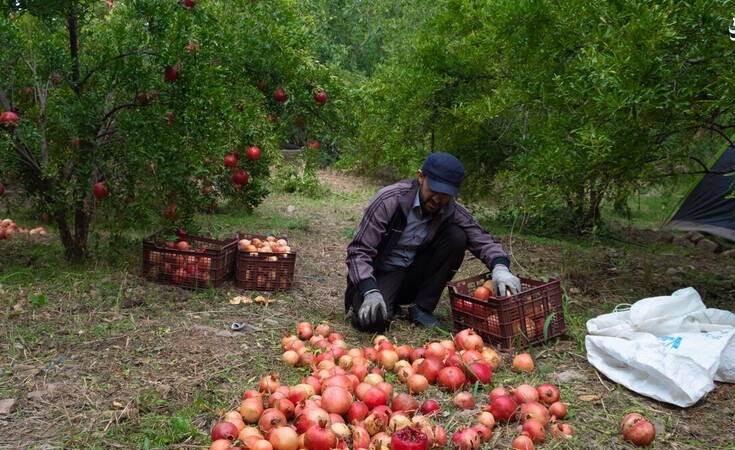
263, 271
519, 321
207, 263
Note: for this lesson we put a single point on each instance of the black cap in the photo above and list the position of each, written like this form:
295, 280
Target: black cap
444, 173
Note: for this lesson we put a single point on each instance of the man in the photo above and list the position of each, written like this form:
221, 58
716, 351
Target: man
410, 242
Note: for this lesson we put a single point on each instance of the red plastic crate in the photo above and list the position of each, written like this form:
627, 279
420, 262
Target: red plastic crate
208, 262
519, 321
263, 271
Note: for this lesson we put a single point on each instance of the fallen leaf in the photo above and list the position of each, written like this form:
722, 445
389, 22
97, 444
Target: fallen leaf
117, 404
590, 397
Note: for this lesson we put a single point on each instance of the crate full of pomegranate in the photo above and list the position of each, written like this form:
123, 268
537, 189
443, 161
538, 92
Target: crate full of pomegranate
532, 316
196, 262
264, 263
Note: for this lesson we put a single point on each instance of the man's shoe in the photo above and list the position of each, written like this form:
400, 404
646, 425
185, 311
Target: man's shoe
422, 318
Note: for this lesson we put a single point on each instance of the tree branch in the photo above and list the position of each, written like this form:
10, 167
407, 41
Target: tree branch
120, 56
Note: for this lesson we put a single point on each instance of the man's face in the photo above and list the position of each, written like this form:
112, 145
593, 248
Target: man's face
431, 202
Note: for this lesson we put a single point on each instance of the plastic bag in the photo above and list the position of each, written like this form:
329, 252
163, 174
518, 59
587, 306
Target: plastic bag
670, 348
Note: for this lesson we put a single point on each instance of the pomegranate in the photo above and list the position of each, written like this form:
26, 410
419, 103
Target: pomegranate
558, 410
240, 177
483, 431
534, 410
522, 442
8, 120
525, 393
417, 383
466, 439
639, 431
230, 160
269, 383
464, 400
629, 420
280, 96
429, 406
309, 417
284, 438
503, 408
336, 399
374, 397
498, 391
451, 378
224, 430
479, 371
320, 437
99, 190
561, 430
535, 430
548, 393
404, 402
486, 418
320, 97
523, 362
253, 153
271, 418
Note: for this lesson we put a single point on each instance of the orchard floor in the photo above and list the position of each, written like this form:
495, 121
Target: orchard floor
110, 360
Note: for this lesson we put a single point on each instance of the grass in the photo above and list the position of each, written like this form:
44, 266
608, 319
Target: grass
97, 357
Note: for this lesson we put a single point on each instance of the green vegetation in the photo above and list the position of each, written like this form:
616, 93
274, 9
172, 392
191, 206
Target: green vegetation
580, 125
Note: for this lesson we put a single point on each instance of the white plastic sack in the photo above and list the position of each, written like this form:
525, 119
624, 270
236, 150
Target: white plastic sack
670, 348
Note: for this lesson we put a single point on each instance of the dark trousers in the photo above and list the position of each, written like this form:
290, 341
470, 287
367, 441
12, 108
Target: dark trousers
423, 282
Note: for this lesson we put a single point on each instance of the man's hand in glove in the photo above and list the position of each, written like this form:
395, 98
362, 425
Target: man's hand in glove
503, 279
373, 309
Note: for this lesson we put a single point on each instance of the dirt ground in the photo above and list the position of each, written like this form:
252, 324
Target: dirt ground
83, 366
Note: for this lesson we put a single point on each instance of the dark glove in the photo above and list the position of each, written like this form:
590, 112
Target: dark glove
373, 309
503, 279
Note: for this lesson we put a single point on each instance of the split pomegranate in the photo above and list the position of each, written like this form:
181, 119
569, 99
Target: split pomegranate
483, 431
547, 393
561, 430
269, 383
398, 421
638, 430
466, 439
224, 430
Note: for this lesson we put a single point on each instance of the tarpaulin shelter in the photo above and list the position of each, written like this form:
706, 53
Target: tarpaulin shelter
706, 207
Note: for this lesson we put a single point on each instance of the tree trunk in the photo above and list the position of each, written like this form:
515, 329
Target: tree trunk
74, 236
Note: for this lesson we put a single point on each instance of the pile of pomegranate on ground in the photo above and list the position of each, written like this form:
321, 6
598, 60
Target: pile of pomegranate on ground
347, 402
